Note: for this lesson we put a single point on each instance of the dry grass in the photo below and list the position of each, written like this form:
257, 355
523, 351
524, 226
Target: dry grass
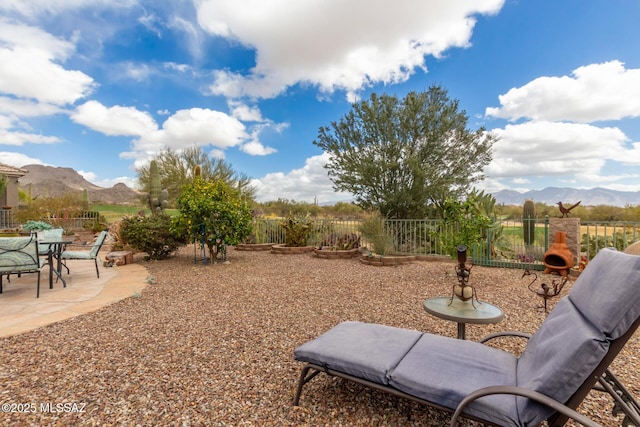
213, 345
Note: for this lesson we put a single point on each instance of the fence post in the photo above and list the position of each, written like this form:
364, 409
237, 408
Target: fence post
546, 233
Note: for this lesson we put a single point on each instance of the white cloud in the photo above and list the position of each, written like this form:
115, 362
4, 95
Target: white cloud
18, 160
138, 72
216, 153
187, 128
116, 120
21, 138
549, 148
306, 184
593, 92
34, 8
333, 44
242, 111
201, 126
27, 108
89, 176
255, 148
14, 131
35, 72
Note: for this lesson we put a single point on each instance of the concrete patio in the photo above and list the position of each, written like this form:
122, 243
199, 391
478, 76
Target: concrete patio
21, 311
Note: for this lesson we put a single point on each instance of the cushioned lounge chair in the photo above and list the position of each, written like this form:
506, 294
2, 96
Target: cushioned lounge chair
562, 361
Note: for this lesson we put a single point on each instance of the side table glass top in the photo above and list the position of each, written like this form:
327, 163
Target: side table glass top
460, 311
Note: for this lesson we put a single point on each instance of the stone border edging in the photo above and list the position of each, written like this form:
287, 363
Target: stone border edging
254, 246
336, 254
290, 250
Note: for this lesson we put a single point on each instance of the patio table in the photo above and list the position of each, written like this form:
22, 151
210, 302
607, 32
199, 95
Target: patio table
55, 249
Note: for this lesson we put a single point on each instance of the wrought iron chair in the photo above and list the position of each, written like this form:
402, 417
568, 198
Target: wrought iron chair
20, 255
561, 364
43, 249
87, 254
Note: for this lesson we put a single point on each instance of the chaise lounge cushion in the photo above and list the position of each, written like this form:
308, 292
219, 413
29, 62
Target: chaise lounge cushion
558, 359
364, 350
615, 280
602, 304
444, 370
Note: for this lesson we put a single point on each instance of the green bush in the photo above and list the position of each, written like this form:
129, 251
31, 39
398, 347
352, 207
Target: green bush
151, 234
37, 225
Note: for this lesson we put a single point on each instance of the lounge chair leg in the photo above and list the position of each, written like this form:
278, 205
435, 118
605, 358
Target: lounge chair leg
1, 283
623, 400
304, 378
96, 261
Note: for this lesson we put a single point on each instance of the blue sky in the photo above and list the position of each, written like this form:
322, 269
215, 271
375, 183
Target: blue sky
100, 86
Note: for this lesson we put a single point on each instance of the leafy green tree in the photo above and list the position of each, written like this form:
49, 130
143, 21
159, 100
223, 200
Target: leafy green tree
400, 155
177, 168
215, 211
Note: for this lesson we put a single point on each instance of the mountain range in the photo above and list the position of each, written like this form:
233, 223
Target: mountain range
48, 181
568, 196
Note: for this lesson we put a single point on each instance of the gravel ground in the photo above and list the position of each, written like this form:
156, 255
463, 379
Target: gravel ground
213, 345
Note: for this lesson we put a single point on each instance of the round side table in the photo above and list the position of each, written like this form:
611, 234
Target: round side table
463, 312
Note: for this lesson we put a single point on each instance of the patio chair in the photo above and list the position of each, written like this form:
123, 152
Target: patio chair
560, 365
20, 255
90, 253
44, 249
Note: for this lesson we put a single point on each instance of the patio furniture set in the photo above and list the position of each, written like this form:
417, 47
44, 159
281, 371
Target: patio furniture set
30, 254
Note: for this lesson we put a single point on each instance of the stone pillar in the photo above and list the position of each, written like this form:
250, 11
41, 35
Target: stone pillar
571, 227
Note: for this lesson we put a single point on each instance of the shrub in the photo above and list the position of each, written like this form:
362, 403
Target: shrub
37, 225
150, 234
373, 230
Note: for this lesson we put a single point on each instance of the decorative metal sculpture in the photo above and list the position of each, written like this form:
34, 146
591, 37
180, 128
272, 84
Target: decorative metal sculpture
545, 291
463, 290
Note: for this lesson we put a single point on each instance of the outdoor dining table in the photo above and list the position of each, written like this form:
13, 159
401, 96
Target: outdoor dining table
55, 249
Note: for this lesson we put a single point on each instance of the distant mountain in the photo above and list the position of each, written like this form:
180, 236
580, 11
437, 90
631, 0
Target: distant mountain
553, 195
48, 181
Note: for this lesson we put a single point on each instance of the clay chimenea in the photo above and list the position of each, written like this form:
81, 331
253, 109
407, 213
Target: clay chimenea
558, 258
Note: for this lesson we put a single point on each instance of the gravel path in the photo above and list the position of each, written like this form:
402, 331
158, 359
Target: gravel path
213, 345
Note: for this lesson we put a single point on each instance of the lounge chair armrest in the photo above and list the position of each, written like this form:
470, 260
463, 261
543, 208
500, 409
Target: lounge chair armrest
505, 334
519, 391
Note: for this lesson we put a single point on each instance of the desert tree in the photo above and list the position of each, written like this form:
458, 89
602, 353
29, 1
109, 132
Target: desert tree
404, 157
177, 168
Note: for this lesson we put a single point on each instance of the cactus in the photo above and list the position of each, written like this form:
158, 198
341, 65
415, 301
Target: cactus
343, 242
529, 222
158, 199
85, 200
297, 230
